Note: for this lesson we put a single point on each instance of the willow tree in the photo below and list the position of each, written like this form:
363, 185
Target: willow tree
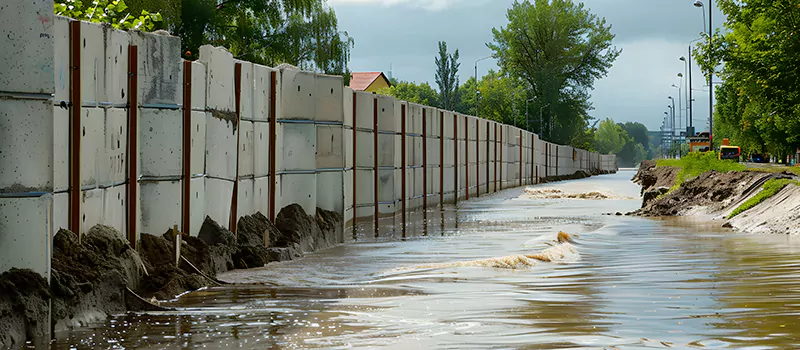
559, 48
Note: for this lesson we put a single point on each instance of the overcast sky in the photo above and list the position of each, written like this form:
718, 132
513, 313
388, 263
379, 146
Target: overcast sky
652, 34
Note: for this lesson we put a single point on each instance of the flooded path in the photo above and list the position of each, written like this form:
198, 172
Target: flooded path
634, 283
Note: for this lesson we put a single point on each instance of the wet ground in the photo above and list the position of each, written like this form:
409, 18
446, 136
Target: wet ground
637, 283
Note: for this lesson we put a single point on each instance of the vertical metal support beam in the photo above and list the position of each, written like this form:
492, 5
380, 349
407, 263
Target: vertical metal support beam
133, 144
455, 155
556, 160
502, 146
441, 160
237, 89
521, 161
355, 162
375, 160
187, 148
477, 158
403, 164
424, 164
487, 157
273, 134
466, 157
75, 129
495, 157
533, 159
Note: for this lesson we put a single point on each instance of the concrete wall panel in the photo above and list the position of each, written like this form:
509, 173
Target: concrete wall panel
261, 149
246, 198
220, 147
262, 78
25, 237
365, 192
298, 146
246, 146
347, 106
160, 205
347, 144
61, 68
199, 87
160, 142
198, 151
364, 110
297, 95
114, 213
300, 189
91, 209
388, 113
219, 194
261, 195
116, 65
329, 106
330, 191
26, 145
60, 211
115, 163
386, 150
92, 144
330, 146
246, 91
347, 188
198, 205
219, 65
92, 64
160, 68
364, 152
27, 53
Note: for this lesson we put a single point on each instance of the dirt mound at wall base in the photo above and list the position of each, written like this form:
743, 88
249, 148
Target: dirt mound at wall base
309, 233
24, 297
650, 176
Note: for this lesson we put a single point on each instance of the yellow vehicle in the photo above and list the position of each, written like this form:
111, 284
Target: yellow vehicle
726, 151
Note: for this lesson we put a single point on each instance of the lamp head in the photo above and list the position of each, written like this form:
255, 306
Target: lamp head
698, 3
682, 58
680, 75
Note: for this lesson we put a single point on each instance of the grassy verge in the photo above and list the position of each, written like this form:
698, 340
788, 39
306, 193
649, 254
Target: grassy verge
694, 164
769, 189
777, 170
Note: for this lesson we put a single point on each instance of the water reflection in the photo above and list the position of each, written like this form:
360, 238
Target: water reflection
639, 283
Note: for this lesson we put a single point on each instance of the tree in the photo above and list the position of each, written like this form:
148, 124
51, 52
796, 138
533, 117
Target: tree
303, 33
560, 49
113, 12
758, 105
447, 77
610, 138
422, 94
466, 97
638, 132
502, 99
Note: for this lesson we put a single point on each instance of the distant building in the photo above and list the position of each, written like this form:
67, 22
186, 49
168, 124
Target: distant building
656, 137
368, 81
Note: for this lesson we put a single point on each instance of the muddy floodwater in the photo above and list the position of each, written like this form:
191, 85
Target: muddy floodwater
633, 283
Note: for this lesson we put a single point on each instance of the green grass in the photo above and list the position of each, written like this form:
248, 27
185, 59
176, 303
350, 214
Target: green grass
694, 164
769, 189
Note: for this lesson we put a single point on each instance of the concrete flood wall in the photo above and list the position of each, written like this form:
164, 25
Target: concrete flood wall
101, 126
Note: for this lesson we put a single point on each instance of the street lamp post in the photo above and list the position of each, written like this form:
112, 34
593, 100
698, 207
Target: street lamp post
672, 129
699, 4
476, 82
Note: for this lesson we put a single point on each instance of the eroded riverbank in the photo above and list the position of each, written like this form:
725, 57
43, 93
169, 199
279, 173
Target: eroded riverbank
639, 283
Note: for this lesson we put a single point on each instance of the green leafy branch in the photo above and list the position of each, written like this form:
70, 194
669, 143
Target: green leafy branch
107, 11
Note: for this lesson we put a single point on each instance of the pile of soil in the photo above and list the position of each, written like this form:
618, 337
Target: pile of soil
558, 194
710, 192
24, 297
90, 278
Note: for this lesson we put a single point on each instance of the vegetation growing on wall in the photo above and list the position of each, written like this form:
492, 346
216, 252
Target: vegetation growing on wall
114, 12
769, 189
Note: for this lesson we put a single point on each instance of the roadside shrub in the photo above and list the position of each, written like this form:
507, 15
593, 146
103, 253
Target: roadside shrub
769, 189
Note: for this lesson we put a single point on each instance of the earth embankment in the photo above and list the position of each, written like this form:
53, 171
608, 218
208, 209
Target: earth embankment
716, 196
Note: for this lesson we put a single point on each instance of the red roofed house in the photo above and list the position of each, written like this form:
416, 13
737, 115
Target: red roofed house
368, 81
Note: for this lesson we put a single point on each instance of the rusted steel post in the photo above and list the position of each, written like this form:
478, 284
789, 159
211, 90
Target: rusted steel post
521, 162
355, 162
533, 159
487, 157
477, 158
237, 81
495, 157
273, 132
556, 160
133, 143
466, 157
75, 130
502, 146
187, 148
375, 160
424, 163
403, 164
455, 156
441, 159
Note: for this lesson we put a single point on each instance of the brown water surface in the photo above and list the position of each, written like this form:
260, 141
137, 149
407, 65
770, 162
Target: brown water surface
636, 283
